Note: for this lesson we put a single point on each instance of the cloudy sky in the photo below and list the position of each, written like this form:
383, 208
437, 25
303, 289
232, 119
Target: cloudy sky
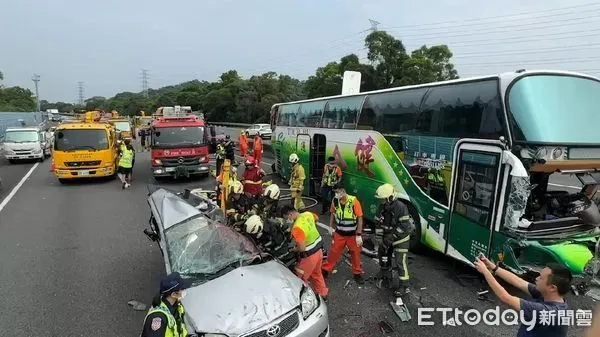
106, 44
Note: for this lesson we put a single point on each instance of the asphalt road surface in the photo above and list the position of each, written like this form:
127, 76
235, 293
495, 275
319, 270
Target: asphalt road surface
73, 255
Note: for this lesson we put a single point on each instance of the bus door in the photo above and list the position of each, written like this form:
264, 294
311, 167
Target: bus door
318, 160
304, 152
476, 182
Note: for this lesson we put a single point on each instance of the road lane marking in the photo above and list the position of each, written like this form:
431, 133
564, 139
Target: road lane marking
566, 186
17, 187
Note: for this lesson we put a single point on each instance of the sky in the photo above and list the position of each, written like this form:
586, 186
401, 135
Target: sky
106, 44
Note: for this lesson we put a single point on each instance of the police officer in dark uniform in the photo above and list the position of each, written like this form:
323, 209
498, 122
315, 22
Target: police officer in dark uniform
229, 149
166, 317
394, 218
220, 156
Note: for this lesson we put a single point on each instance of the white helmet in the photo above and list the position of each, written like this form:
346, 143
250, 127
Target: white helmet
234, 169
384, 191
272, 192
237, 187
254, 224
294, 158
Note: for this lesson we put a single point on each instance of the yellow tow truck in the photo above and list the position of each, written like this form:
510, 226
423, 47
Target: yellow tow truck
84, 148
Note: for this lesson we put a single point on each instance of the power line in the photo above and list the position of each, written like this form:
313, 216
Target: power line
80, 93
507, 28
145, 82
536, 13
36, 80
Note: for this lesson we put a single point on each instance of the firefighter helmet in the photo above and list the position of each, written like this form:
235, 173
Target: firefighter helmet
272, 192
237, 187
384, 191
254, 224
294, 158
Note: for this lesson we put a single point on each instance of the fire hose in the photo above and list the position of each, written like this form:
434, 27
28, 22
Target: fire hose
312, 202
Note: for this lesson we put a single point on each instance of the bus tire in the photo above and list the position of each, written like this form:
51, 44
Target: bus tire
416, 246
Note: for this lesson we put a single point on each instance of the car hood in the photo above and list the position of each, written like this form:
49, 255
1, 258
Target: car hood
243, 299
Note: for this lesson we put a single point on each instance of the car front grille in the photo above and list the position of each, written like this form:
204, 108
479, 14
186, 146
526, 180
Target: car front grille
284, 327
176, 161
82, 163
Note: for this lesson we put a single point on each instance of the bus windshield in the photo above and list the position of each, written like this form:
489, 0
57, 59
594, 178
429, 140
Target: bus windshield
79, 139
555, 109
21, 136
178, 136
123, 126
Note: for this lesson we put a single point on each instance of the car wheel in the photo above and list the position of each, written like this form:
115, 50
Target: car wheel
12, 161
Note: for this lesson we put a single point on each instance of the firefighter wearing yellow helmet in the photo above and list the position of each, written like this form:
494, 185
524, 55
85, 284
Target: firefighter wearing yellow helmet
296, 182
395, 220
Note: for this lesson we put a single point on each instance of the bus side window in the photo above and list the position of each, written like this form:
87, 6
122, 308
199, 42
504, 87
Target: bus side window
465, 110
342, 112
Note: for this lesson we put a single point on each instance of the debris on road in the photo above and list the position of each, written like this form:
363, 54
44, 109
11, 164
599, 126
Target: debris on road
136, 305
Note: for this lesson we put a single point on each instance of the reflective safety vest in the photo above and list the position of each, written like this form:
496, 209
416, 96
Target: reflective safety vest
330, 178
306, 222
435, 177
220, 151
171, 323
345, 218
126, 160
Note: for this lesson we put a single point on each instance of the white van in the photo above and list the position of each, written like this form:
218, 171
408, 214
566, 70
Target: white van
25, 143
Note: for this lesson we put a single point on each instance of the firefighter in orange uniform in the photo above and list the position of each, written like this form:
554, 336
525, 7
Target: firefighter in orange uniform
243, 144
258, 150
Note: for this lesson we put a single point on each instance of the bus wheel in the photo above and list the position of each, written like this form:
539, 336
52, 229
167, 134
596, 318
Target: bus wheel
415, 240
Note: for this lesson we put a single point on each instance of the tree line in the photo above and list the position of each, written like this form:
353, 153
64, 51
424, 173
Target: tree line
235, 99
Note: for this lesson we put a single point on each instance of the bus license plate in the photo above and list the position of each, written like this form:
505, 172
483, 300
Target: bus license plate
84, 173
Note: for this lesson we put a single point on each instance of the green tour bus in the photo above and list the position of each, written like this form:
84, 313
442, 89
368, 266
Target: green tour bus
474, 160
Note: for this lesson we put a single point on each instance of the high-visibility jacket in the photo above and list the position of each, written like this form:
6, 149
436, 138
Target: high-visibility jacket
345, 218
220, 153
172, 329
306, 222
330, 177
126, 160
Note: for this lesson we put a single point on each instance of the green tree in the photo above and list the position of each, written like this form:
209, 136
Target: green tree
387, 54
16, 99
429, 65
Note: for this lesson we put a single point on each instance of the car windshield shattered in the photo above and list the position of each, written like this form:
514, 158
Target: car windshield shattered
201, 249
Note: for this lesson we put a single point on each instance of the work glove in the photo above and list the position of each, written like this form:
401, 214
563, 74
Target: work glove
359, 240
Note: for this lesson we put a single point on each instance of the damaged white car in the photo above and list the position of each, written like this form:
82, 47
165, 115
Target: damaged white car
237, 291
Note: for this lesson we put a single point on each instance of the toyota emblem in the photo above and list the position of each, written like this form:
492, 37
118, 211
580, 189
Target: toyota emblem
273, 331
180, 160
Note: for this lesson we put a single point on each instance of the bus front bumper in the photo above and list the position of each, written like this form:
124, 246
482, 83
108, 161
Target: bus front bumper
63, 173
181, 171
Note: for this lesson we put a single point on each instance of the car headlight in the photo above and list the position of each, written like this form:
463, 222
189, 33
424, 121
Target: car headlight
37, 151
308, 301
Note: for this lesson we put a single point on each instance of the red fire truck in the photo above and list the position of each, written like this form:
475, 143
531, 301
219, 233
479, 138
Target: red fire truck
179, 144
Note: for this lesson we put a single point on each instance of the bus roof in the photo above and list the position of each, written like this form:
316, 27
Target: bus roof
505, 78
